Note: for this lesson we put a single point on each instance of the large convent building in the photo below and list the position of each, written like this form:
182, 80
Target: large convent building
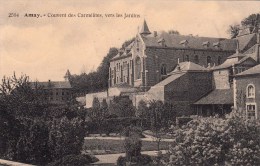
194, 74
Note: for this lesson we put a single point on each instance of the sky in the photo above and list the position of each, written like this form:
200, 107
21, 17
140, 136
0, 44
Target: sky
44, 48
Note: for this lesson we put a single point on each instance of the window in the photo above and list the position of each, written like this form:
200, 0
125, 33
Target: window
196, 59
187, 58
219, 60
138, 68
163, 69
62, 93
250, 91
208, 60
251, 111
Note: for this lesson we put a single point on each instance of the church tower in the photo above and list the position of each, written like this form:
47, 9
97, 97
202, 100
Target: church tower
145, 30
67, 75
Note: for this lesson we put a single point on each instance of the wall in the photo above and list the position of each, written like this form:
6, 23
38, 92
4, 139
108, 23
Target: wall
187, 89
221, 79
241, 85
90, 97
157, 56
152, 59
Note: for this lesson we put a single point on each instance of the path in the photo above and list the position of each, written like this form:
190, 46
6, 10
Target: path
150, 138
112, 158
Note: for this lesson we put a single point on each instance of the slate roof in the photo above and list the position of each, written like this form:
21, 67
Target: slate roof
145, 29
169, 79
187, 66
253, 70
243, 41
173, 40
236, 55
217, 96
52, 85
125, 53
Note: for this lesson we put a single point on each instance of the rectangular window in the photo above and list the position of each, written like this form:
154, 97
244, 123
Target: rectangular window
251, 111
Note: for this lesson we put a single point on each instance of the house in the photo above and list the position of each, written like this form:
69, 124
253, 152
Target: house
58, 92
151, 56
194, 74
225, 92
247, 94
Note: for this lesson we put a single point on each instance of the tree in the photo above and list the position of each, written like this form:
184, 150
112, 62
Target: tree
31, 130
175, 32
122, 107
143, 112
233, 30
66, 137
215, 141
252, 20
156, 110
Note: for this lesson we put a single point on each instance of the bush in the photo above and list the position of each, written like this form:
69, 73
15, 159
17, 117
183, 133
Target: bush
77, 160
137, 160
214, 141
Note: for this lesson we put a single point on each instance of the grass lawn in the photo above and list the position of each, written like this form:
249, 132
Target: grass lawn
99, 146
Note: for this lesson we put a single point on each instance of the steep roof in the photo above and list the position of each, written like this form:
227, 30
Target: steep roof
236, 55
187, 66
235, 60
169, 79
253, 70
145, 30
217, 96
125, 53
173, 40
51, 85
246, 41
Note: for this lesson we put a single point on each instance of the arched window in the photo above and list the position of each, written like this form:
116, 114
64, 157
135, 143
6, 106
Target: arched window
187, 58
219, 60
250, 91
196, 59
163, 69
137, 68
208, 60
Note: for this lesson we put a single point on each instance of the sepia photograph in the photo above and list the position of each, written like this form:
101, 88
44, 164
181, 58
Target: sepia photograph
129, 83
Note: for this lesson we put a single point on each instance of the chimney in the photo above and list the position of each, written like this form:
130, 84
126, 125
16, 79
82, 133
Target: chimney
155, 33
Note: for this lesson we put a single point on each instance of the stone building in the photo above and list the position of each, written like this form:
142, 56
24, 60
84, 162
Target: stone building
194, 74
247, 94
151, 56
57, 92
222, 98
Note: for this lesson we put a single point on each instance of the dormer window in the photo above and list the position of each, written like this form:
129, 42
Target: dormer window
205, 44
216, 45
162, 42
184, 43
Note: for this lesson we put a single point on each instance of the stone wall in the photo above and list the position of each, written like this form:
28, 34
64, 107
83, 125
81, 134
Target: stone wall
241, 84
157, 56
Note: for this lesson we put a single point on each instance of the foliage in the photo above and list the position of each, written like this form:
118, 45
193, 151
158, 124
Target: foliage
34, 131
233, 30
133, 146
251, 20
94, 81
139, 160
66, 137
122, 107
214, 141
175, 32
78, 160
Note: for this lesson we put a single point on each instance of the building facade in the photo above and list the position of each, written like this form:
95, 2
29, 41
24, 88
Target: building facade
57, 92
